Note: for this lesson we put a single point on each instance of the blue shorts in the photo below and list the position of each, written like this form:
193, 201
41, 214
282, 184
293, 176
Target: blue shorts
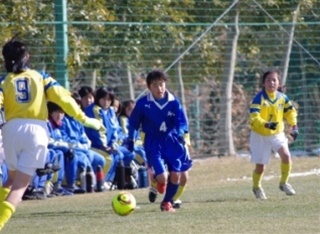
168, 151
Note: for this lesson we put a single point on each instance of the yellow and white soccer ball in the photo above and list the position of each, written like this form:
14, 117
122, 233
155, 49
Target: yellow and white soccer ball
123, 203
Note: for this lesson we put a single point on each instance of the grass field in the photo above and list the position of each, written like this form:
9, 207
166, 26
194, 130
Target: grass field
218, 199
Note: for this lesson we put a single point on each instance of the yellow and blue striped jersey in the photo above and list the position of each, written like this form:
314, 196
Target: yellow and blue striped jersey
25, 95
274, 107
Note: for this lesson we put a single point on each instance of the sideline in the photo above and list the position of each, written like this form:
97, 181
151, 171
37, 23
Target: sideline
298, 174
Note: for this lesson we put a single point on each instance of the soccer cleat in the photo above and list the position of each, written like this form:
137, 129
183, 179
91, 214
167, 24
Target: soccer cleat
161, 188
285, 187
167, 207
176, 204
259, 193
153, 194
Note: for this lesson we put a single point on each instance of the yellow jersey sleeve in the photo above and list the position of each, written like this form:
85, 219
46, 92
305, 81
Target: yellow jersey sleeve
62, 97
263, 110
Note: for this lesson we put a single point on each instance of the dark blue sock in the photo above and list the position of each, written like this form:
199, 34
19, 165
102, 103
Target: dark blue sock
170, 192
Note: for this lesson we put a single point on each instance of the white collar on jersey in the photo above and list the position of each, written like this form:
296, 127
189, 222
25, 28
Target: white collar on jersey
151, 99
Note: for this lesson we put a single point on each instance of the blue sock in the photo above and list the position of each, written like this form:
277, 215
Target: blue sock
170, 192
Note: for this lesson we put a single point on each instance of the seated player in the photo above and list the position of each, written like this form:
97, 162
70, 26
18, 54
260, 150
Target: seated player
86, 95
74, 159
106, 140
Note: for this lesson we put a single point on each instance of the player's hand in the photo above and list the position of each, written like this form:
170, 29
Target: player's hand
295, 132
271, 125
92, 123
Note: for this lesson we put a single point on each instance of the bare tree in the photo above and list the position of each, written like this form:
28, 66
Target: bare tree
226, 144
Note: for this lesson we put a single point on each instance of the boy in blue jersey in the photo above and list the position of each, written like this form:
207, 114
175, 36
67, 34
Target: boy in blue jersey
268, 110
160, 115
24, 93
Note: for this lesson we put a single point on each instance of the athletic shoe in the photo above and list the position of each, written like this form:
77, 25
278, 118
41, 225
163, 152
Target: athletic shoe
40, 193
29, 194
109, 186
74, 189
48, 188
161, 188
176, 204
259, 193
285, 187
153, 194
167, 207
62, 192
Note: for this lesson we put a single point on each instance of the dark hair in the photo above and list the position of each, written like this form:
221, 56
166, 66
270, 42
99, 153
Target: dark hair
280, 88
77, 98
85, 90
53, 107
264, 76
15, 55
124, 105
156, 75
103, 92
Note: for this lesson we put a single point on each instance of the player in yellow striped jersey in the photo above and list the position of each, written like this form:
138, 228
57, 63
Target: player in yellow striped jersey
268, 111
24, 93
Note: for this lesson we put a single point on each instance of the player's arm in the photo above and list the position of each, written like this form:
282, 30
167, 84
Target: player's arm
135, 120
290, 115
62, 97
289, 112
182, 123
255, 118
101, 134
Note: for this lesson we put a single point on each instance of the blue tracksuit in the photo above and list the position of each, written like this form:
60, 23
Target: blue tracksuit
56, 158
108, 137
74, 158
75, 132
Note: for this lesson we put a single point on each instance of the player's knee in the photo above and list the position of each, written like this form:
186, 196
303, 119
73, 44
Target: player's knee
175, 177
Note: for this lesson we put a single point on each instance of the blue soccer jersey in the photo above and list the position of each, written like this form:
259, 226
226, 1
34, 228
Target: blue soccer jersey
163, 123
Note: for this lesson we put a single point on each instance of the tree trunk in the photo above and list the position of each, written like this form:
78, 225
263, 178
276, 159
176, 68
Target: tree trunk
285, 62
130, 83
226, 144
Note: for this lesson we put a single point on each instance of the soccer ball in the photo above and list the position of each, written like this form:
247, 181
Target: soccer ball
123, 203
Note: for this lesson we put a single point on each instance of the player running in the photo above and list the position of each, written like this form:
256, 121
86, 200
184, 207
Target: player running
24, 93
267, 111
160, 115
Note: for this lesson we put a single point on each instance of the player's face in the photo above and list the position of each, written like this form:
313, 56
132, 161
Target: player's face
271, 83
87, 100
105, 102
158, 89
57, 116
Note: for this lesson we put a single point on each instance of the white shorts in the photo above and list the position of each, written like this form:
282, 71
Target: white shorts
25, 144
261, 146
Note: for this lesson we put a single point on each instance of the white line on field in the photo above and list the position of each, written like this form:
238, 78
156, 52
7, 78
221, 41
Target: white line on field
299, 174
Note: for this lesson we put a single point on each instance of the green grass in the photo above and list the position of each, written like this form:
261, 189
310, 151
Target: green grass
218, 199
